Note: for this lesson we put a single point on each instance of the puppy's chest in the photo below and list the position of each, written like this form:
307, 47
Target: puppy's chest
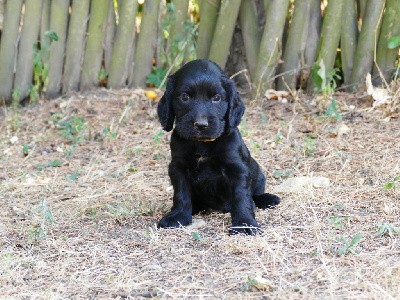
206, 167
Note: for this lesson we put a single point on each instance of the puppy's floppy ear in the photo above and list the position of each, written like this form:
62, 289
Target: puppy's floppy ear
164, 109
235, 104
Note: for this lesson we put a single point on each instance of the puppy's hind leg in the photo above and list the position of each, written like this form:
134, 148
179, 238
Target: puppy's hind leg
266, 200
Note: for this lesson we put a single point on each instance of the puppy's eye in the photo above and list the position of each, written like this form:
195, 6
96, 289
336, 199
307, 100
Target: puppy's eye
216, 98
185, 97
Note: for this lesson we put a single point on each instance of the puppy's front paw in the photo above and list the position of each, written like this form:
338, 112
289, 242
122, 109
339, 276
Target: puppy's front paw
266, 200
175, 219
248, 227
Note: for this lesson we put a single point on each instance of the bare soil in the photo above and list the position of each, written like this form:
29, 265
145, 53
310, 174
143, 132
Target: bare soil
79, 208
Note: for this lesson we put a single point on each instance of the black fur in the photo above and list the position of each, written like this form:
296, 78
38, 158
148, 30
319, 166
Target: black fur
211, 167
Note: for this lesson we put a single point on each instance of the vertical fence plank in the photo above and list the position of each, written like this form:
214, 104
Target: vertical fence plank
2, 2
29, 36
385, 57
208, 18
94, 48
270, 45
223, 33
367, 40
251, 33
8, 47
45, 23
75, 45
110, 33
123, 43
313, 30
330, 35
348, 39
58, 24
292, 53
146, 42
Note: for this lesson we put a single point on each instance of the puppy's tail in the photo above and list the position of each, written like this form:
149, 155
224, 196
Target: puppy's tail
266, 200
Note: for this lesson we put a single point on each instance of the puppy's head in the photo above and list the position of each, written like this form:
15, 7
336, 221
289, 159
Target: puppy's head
201, 100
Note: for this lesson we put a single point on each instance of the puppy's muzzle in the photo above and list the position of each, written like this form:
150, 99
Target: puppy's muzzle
200, 123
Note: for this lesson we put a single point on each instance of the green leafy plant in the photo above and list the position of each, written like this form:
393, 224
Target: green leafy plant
309, 146
73, 176
387, 229
107, 132
394, 42
156, 77
349, 245
73, 129
282, 173
157, 137
338, 222
197, 236
25, 149
51, 164
392, 184
332, 111
40, 66
103, 76
324, 82
174, 50
39, 232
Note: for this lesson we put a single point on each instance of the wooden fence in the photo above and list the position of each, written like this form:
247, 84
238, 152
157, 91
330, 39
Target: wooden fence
52, 47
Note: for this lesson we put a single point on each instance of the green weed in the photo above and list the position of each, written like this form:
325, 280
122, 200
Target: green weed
387, 229
174, 50
51, 164
73, 129
40, 67
324, 82
309, 146
332, 111
156, 77
157, 137
392, 184
282, 173
338, 222
25, 149
39, 232
243, 128
73, 176
349, 245
108, 133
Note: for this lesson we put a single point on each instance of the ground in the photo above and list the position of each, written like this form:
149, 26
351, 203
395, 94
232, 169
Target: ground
83, 181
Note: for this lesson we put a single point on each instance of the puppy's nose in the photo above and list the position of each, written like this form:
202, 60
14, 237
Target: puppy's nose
201, 123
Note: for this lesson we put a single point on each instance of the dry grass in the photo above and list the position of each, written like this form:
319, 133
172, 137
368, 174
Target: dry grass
86, 229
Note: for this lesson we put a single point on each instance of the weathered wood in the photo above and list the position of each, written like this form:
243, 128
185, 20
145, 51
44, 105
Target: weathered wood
385, 57
8, 47
58, 24
29, 36
330, 36
208, 18
251, 33
110, 30
348, 39
75, 45
146, 42
45, 24
270, 45
291, 65
122, 44
223, 33
94, 46
367, 41
2, 4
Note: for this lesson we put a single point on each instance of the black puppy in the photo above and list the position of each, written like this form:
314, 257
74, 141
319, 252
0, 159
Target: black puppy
211, 167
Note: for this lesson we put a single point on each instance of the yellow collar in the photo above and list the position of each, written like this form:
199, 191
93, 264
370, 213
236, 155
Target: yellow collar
206, 140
